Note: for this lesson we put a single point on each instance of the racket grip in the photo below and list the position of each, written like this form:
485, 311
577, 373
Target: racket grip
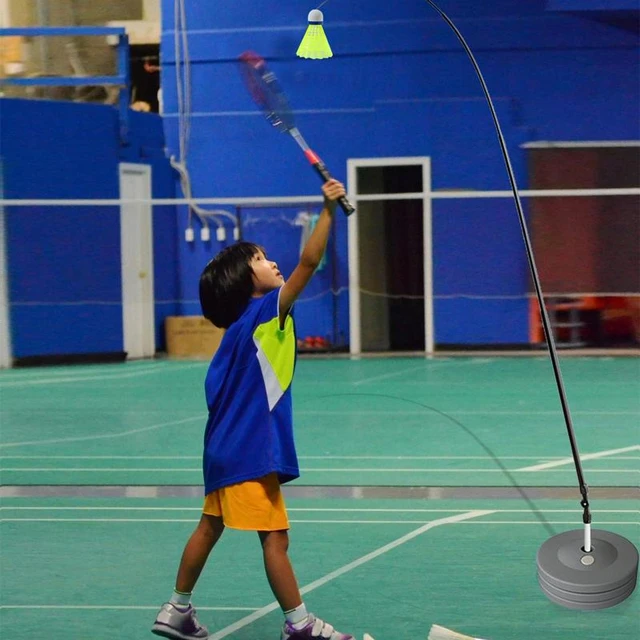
323, 172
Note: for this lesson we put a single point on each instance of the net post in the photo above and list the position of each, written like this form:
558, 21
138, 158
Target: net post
427, 217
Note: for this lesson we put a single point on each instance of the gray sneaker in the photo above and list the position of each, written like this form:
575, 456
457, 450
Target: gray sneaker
178, 624
315, 628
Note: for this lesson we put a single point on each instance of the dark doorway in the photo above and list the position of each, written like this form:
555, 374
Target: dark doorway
145, 74
392, 259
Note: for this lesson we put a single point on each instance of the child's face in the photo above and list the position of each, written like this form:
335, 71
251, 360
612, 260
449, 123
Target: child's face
266, 276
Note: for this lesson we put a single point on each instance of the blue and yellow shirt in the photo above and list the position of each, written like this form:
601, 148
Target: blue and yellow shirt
249, 432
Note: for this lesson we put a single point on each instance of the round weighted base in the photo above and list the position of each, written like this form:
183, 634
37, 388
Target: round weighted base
575, 579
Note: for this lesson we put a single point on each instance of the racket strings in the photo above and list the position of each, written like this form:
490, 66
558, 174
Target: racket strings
266, 92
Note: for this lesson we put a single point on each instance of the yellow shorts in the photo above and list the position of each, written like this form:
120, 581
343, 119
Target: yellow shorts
254, 505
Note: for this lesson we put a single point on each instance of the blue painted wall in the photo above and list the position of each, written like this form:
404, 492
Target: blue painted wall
64, 262
399, 85
592, 5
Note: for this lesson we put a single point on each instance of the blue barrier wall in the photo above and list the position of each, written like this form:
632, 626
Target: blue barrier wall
64, 262
399, 84
592, 5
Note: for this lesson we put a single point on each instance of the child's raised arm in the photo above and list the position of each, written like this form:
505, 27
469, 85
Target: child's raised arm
313, 250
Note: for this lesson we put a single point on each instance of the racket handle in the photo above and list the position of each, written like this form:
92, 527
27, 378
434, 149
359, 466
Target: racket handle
323, 172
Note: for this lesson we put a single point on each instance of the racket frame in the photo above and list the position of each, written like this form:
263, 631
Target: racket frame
266, 92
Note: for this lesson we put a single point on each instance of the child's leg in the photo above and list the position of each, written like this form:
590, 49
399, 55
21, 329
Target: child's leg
279, 570
299, 622
197, 550
177, 618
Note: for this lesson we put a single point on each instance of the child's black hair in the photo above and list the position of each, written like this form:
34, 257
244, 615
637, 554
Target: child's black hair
226, 284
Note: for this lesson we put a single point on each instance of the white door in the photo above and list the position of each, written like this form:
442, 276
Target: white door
136, 246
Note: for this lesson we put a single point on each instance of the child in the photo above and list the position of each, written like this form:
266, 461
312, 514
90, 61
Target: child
248, 444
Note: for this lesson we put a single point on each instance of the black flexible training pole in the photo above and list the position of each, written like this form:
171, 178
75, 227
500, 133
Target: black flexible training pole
586, 516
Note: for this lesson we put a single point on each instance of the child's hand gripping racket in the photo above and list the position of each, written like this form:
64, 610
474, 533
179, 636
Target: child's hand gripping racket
268, 95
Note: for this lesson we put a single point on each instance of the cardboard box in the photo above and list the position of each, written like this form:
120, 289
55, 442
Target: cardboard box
191, 337
11, 55
11, 49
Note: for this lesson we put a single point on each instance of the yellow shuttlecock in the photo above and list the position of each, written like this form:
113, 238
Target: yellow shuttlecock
314, 44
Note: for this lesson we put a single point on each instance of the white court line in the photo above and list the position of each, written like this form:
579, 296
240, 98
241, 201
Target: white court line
34, 372
119, 376
315, 522
102, 436
256, 615
384, 376
426, 366
195, 520
357, 412
540, 457
575, 522
110, 607
454, 412
33, 412
583, 457
20, 375
309, 510
302, 470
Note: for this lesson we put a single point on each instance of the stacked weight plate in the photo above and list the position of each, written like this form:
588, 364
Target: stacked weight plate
575, 579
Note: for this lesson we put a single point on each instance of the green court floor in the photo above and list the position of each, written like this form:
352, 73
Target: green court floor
98, 569
83, 567
368, 422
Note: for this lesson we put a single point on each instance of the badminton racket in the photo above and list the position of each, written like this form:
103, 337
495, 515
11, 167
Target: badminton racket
269, 96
